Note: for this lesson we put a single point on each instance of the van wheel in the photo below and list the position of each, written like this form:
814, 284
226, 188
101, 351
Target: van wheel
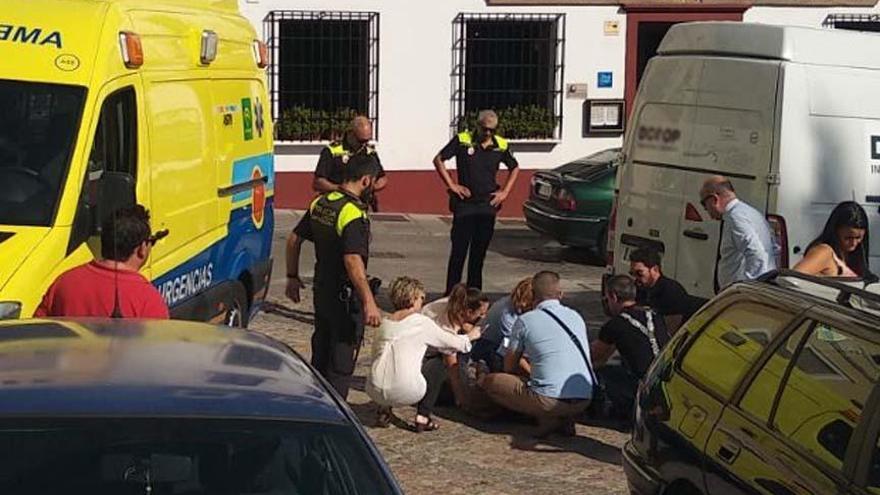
237, 315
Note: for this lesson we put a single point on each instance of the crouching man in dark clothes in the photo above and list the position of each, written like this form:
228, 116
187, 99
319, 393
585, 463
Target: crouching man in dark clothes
637, 332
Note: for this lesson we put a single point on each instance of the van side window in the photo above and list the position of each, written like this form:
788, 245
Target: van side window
730, 344
115, 146
823, 397
761, 395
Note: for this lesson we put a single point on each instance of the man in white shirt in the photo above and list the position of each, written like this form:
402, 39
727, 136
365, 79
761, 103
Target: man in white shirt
747, 249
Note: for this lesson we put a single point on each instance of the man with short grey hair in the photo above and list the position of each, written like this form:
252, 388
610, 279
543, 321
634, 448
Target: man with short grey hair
747, 249
475, 197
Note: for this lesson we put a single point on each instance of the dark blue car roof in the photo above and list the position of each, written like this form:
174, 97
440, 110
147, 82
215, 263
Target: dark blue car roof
139, 368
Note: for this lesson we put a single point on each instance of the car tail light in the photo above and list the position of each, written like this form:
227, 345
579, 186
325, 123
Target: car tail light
780, 237
565, 200
612, 230
692, 214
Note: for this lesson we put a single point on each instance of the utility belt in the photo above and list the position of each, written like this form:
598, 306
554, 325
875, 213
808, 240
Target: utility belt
472, 205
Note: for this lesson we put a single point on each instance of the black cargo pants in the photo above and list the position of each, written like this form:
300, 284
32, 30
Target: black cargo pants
339, 331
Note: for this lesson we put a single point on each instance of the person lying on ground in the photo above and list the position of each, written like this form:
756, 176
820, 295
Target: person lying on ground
399, 375
499, 323
458, 314
638, 333
561, 383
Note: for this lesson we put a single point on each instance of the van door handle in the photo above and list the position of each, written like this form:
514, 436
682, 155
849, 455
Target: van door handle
696, 234
729, 451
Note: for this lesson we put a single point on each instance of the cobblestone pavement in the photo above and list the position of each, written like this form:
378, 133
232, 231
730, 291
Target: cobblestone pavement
465, 456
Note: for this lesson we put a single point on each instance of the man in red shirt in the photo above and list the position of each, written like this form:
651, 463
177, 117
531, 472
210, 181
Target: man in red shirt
113, 285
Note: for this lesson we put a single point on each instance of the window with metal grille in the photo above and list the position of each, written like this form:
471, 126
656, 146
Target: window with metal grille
324, 71
853, 22
513, 64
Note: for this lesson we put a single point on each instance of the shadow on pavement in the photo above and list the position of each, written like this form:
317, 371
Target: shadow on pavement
585, 446
275, 308
528, 246
520, 428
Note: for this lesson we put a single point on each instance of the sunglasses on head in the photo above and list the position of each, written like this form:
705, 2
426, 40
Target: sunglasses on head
158, 236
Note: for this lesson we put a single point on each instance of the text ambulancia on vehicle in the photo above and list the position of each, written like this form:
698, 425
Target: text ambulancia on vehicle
116, 102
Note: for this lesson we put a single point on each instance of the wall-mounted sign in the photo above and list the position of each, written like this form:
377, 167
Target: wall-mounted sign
605, 80
604, 117
577, 90
612, 28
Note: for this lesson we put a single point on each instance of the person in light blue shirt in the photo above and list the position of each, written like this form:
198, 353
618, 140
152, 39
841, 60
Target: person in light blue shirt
560, 384
498, 325
747, 248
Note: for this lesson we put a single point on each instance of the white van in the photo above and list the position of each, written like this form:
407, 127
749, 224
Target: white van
791, 115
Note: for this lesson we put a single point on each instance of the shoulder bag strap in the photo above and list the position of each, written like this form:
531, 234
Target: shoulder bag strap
646, 331
576, 342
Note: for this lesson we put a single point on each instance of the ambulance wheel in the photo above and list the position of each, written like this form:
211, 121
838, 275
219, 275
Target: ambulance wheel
237, 315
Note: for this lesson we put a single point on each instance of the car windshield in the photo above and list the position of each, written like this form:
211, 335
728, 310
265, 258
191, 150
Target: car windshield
176, 456
38, 128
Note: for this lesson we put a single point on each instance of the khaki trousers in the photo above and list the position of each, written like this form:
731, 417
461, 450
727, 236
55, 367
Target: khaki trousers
512, 392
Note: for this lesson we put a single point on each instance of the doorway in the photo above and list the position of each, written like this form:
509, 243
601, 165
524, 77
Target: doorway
646, 25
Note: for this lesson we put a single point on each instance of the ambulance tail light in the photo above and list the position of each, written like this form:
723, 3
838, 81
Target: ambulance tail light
132, 50
261, 54
779, 231
612, 230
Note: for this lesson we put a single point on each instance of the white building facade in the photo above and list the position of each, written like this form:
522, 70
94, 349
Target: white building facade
561, 74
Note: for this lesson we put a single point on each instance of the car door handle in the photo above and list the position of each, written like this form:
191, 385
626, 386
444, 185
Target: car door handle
729, 451
696, 234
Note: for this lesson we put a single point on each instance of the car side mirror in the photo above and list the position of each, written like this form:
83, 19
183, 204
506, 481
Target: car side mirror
115, 190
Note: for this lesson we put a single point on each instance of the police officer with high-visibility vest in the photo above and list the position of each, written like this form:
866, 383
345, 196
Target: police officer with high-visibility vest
338, 225
476, 197
336, 155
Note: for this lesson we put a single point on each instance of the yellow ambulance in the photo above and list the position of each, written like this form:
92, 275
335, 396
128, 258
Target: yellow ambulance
162, 102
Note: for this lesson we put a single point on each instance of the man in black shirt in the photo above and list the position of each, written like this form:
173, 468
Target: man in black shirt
338, 225
660, 293
476, 198
336, 155
638, 333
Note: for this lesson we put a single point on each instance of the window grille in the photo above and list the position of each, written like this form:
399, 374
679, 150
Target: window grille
324, 70
853, 22
513, 64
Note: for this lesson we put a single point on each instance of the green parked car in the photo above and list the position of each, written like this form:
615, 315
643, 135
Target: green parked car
572, 203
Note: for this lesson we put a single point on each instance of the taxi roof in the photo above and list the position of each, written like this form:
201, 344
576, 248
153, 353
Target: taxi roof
100, 367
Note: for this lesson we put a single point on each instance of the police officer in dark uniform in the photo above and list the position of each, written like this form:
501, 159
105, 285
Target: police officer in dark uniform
476, 198
338, 225
337, 154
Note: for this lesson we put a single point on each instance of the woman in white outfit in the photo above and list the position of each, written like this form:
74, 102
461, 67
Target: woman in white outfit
396, 377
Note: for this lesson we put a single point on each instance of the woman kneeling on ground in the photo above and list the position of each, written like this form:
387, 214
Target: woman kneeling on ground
398, 376
459, 314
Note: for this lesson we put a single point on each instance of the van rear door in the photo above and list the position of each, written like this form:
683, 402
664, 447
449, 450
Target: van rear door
649, 203
732, 136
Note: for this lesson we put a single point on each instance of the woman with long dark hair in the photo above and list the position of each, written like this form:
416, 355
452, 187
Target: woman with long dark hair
842, 248
460, 314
